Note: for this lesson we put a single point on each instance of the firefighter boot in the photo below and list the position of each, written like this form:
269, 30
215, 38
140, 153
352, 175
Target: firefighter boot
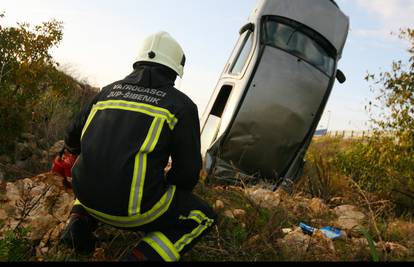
79, 234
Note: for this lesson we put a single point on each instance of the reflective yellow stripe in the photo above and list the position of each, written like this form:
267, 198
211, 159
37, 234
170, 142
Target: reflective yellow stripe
154, 109
157, 136
140, 108
163, 246
135, 221
90, 118
199, 217
140, 170
150, 110
188, 238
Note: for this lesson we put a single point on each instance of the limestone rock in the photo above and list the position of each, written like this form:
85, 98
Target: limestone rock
337, 201
253, 240
296, 240
63, 206
360, 242
320, 240
401, 229
2, 176
21, 164
28, 136
219, 205
41, 225
349, 217
3, 215
44, 154
263, 197
56, 148
239, 213
219, 188
299, 246
56, 233
12, 194
45, 239
317, 206
33, 147
49, 207
396, 250
287, 230
229, 214
23, 151
5, 159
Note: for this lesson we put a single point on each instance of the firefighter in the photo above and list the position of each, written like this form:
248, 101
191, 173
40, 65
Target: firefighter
124, 139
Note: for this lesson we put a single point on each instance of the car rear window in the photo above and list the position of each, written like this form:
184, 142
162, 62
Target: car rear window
295, 40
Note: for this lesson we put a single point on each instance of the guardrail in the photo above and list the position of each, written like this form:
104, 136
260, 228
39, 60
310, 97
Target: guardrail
350, 134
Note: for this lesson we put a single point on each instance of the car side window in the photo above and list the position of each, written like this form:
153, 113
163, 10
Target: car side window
243, 55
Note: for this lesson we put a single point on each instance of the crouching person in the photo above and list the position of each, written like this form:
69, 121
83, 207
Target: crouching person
123, 140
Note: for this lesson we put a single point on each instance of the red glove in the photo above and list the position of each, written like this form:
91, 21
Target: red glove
62, 165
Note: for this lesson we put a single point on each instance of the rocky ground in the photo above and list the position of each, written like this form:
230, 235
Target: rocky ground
42, 205
349, 218
31, 156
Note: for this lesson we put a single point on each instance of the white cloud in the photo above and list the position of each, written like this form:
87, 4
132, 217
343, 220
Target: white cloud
393, 14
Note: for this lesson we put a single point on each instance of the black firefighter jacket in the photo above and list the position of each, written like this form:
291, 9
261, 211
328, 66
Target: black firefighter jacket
124, 139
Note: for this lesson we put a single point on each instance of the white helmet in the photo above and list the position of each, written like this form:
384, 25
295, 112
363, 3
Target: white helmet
161, 48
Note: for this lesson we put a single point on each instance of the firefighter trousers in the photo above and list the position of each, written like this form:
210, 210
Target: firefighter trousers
168, 238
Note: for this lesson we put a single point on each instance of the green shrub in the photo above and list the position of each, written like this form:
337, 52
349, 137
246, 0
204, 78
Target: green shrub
12, 123
382, 166
16, 246
35, 96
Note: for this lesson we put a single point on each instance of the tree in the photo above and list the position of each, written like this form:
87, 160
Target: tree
25, 68
392, 112
395, 96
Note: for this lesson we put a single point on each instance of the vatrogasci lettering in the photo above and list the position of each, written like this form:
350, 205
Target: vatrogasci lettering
133, 92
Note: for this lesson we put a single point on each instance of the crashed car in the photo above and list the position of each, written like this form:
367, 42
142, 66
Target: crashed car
273, 91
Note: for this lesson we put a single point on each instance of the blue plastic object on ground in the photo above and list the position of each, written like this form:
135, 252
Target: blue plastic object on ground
331, 232
328, 231
307, 229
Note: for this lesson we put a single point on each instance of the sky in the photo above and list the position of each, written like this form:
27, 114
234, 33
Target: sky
102, 37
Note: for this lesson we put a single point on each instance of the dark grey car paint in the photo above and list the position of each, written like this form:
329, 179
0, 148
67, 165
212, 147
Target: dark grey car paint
276, 115
276, 103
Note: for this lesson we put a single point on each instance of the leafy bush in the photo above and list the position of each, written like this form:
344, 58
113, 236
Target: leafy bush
35, 96
383, 167
16, 246
385, 163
